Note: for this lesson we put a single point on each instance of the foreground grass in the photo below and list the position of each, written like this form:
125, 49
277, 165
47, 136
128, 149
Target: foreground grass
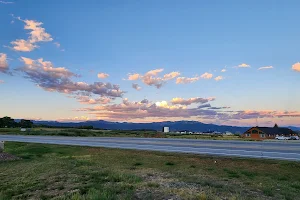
110, 133
68, 172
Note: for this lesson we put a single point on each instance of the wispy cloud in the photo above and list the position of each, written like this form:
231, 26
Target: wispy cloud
243, 65
223, 70
136, 86
1, 81
218, 78
57, 44
296, 67
266, 67
190, 101
103, 75
6, 2
74, 119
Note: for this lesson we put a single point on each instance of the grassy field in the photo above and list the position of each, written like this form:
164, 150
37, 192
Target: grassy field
110, 133
68, 172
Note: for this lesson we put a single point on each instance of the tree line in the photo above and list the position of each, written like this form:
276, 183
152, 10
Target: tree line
8, 122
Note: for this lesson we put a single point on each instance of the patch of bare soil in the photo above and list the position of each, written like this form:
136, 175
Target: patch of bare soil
7, 156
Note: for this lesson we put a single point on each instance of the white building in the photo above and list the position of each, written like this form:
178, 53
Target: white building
166, 129
228, 133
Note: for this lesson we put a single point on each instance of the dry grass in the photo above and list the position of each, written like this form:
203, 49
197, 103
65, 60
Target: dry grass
67, 172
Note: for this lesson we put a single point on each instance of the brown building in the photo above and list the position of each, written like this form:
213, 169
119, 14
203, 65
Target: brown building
261, 133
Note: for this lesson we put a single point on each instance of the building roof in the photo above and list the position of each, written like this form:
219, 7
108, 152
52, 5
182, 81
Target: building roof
276, 131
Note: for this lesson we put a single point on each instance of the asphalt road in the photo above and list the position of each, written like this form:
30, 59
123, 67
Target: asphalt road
283, 150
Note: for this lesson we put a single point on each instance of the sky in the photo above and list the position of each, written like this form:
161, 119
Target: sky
222, 62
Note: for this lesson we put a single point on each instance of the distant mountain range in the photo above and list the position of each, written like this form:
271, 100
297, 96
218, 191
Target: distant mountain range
174, 126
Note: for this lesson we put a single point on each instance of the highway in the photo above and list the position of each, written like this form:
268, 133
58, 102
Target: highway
282, 150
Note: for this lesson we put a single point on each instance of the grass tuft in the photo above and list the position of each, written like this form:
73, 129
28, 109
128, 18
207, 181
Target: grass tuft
169, 163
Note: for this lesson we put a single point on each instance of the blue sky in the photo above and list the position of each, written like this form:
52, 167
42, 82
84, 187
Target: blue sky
119, 38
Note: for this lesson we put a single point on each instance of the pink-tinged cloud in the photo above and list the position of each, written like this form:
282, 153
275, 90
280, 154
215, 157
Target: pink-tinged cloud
251, 114
151, 78
218, 78
161, 111
133, 77
74, 119
37, 34
58, 79
223, 70
103, 75
1, 81
171, 75
243, 65
185, 80
190, 101
296, 67
136, 86
266, 67
206, 75
3, 63
137, 110
23, 45
89, 100
154, 72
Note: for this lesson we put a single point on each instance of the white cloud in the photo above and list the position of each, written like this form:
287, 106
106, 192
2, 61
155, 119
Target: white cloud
103, 75
266, 67
296, 67
223, 70
243, 65
206, 75
218, 78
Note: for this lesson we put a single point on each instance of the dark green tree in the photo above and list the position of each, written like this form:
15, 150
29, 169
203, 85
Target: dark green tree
25, 123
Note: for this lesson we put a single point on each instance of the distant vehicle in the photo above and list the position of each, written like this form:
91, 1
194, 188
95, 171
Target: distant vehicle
294, 138
282, 138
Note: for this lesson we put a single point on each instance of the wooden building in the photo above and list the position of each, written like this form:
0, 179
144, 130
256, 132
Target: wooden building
261, 133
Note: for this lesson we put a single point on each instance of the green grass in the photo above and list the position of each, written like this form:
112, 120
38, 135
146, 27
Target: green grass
110, 133
69, 173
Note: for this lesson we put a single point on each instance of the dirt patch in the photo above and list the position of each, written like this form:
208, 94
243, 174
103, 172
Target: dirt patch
7, 156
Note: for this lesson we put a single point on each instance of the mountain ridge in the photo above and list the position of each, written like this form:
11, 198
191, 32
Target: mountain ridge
174, 125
